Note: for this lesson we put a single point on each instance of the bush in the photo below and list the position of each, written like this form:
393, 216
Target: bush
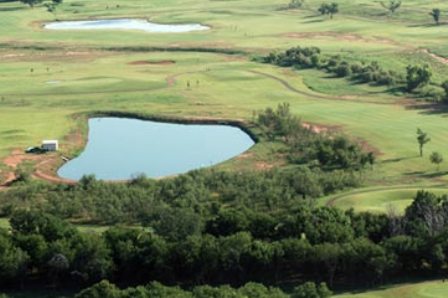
343, 70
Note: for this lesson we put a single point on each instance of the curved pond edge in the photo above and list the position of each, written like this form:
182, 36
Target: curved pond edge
241, 124
81, 128
42, 23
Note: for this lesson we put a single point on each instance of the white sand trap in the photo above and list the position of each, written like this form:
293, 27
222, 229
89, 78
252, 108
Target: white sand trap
125, 24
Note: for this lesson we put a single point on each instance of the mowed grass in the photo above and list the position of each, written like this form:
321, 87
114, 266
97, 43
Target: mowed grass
47, 76
428, 289
85, 228
40, 105
393, 199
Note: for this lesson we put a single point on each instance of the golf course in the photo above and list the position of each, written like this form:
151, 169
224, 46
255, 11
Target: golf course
203, 62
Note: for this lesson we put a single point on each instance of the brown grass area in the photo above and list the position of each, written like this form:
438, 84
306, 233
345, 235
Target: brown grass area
441, 59
350, 37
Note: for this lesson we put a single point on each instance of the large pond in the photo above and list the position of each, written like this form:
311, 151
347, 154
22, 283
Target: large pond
125, 24
121, 148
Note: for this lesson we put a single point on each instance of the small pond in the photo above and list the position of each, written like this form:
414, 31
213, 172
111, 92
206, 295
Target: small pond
120, 148
125, 24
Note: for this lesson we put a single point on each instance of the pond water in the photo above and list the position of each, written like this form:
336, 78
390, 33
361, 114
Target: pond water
121, 148
125, 24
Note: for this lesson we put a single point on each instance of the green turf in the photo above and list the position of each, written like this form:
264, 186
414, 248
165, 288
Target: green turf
429, 289
380, 200
4, 224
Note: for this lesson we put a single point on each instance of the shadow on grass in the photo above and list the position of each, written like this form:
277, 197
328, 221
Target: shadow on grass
313, 21
430, 109
11, 8
428, 25
435, 174
422, 174
394, 160
415, 173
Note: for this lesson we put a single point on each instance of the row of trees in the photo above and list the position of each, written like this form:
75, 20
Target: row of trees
318, 244
202, 193
250, 290
416, 79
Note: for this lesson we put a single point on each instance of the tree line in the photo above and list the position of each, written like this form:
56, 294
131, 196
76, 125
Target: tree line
417, 78
319, 244
250, 290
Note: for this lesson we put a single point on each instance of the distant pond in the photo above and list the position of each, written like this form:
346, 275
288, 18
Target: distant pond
125, 24
120, 148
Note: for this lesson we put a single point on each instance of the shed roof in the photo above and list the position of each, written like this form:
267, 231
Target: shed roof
49, 141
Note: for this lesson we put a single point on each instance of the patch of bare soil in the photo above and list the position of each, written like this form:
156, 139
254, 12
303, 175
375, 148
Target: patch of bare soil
13, 161
319, 128
45, 165
441, 59
45, 169
367, 147
160, 62
263, 166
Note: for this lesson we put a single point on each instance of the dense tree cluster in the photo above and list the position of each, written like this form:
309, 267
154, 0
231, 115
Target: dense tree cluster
328, 152
192, 197
234, 247
250, 290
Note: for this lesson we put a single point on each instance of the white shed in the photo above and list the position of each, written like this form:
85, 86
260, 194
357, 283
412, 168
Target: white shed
50, 145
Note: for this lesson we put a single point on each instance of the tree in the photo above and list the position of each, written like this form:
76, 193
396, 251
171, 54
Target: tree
435, 13
333, 9
31, 3
417, 76
392, 5
436, 158
329, 9
422, 139
13, 260
294, 4
311, 290
177, 223
445, 88
58, 265
100, 290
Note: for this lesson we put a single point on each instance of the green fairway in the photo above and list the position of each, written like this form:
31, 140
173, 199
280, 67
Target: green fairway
429, 289
380, 200
221, 86
48, 76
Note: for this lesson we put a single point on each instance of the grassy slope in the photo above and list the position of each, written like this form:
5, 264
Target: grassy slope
379, 199
429, 289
